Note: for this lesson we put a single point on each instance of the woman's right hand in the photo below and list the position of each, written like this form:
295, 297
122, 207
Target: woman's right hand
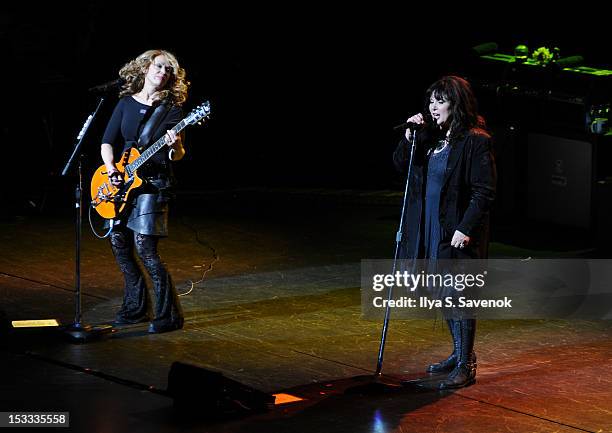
116, 178
418, 119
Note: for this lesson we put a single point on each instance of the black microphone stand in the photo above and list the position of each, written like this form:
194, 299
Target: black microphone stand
77, 331
375, 384
398, 239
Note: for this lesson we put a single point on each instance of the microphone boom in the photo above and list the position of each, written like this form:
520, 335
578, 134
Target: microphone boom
410, 125
107, 87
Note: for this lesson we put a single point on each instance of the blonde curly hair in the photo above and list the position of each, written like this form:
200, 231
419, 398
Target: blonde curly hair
134, 72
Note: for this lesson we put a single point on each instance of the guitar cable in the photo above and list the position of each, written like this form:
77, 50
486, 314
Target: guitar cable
93, 230
216, 258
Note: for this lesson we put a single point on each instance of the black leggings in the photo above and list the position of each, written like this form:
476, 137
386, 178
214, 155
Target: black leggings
136, 303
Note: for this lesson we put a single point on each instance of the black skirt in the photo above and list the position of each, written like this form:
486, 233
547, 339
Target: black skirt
147, 213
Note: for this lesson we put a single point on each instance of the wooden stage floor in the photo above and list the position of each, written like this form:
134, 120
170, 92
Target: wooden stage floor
279, 312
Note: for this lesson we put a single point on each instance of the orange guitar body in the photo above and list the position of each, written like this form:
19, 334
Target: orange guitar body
108, 200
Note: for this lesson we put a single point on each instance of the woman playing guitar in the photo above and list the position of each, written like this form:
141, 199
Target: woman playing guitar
154, 89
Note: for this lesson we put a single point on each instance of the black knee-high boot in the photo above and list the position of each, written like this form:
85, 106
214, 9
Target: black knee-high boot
449, 363
464, 373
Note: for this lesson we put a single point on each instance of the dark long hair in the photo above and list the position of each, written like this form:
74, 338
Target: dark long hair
464, 115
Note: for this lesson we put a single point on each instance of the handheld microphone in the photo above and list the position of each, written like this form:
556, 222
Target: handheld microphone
107, 87
410, 125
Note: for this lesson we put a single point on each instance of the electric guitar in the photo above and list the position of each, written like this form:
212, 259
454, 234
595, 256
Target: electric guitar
109, 200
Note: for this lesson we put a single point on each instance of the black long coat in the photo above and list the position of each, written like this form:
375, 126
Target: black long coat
465, 198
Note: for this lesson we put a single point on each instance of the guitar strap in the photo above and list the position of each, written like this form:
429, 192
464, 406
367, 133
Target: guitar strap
150, 128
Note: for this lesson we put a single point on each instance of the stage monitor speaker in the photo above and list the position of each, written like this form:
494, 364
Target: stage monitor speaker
198, 392
559, 180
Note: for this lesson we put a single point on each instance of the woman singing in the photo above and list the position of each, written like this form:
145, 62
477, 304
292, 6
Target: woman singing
451, 188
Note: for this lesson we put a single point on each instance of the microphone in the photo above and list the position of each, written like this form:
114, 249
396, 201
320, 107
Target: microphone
410, 125
107, 87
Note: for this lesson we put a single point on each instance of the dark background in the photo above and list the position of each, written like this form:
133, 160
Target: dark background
301, 97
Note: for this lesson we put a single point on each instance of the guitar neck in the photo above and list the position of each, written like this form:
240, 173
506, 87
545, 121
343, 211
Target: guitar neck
153, 149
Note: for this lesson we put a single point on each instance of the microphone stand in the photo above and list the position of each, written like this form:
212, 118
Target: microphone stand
398, 239
375, 384
77, 331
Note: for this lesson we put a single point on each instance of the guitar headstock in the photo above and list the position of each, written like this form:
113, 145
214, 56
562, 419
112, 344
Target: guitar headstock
199, 113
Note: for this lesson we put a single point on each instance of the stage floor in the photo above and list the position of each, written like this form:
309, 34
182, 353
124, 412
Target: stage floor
280, 312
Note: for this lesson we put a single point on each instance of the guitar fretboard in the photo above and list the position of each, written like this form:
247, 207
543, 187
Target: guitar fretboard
153, 149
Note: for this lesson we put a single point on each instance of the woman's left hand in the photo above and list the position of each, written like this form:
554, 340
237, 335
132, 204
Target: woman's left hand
460, 240
171, 137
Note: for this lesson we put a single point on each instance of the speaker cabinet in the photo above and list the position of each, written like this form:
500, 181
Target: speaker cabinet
198, 392
560, 178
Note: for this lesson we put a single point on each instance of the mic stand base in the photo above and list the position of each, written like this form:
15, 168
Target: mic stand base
374, 384
79, 333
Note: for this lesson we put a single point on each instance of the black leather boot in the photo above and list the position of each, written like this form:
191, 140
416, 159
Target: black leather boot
464, 373
449, 363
